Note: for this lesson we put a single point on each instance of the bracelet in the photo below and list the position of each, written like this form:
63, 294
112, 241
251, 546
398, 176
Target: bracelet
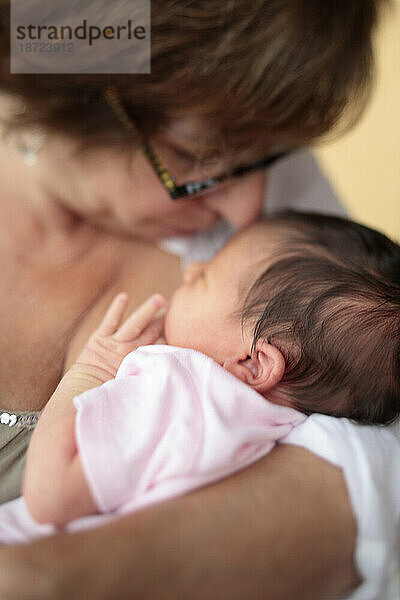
28, 420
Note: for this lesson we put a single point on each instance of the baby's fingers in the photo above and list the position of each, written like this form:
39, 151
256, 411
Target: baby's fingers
138, 320
113, 317
151, 334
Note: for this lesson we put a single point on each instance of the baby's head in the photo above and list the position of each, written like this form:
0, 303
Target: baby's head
304, 308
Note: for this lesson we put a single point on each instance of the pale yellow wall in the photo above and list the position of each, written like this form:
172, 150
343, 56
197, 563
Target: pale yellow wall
364, 166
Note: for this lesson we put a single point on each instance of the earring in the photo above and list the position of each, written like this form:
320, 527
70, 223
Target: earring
29, 144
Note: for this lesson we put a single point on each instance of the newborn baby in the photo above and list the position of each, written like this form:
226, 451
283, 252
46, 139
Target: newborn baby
305, 309
297, 314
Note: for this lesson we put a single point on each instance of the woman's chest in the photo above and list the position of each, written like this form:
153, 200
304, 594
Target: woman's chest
46, 314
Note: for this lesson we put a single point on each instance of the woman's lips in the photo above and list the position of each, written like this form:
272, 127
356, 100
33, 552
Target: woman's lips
176, 232
186, 226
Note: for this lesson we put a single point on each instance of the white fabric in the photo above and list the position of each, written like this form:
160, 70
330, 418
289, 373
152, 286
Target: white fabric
369, 456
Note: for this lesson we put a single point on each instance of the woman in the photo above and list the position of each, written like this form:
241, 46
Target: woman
76, 189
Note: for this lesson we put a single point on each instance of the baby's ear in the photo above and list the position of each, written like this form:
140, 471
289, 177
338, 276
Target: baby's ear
262, 371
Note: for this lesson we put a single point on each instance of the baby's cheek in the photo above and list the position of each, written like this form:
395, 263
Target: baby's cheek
173, 320
167, 326
178, 327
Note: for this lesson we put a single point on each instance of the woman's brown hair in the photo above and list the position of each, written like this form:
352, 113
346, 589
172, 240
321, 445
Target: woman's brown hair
264, 72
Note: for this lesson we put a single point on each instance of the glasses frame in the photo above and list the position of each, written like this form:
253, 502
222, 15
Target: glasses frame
191, 188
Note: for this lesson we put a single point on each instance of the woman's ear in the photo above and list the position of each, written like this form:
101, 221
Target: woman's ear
262, 371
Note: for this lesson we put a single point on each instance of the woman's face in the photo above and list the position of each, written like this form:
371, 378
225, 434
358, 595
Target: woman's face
122, 193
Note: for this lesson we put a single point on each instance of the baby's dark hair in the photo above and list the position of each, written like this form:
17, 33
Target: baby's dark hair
330, 301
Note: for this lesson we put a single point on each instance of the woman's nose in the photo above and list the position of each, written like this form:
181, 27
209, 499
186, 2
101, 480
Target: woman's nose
241, 202
193, 270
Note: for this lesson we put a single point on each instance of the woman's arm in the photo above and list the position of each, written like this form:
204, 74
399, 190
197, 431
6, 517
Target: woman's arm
282, 529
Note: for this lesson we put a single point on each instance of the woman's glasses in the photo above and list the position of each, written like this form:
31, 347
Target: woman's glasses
192, 188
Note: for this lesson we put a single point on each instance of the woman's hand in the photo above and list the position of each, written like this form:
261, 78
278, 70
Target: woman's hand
115, 338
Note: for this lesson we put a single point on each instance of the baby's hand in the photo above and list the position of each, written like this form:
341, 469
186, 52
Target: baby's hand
114, 339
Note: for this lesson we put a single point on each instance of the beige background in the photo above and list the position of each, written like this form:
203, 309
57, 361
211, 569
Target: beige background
364, 165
